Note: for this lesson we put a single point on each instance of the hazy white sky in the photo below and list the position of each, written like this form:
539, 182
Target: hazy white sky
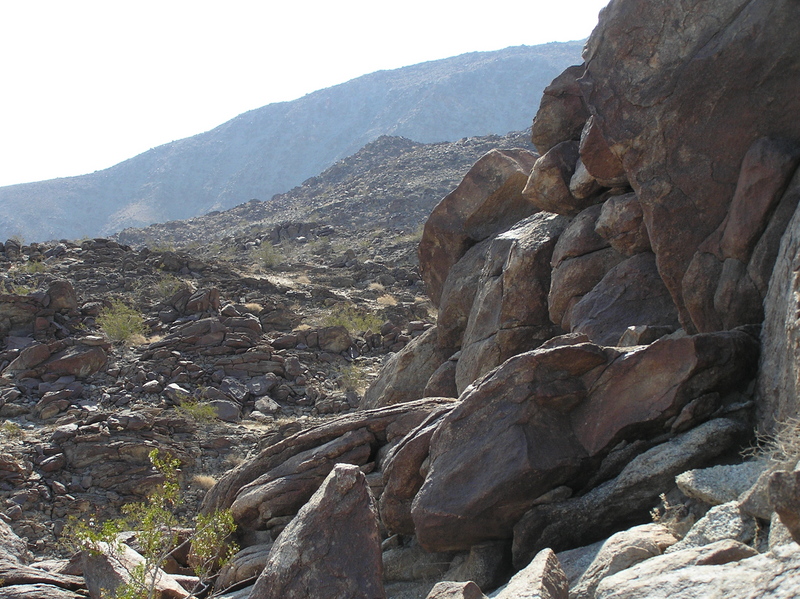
85, 84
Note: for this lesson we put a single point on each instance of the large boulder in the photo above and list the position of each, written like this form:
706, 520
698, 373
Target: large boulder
630, 294
778, 385
332, 548
562, 111
684, 163
488, 200
509, 313
405, 374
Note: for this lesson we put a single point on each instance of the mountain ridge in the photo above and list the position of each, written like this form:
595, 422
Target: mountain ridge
271, 149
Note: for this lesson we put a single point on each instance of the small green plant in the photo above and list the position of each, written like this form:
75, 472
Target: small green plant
20, 289
353, 318
120, 322
32, 267
157, 525
11, 430
167, 286
199, 411
268, 255
352, 378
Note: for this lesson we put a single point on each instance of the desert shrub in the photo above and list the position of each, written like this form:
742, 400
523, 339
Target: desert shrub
167, 286
120, 322
11, 430
268, 255
352, 377
199, 411
353, 318
781, 447
157, 527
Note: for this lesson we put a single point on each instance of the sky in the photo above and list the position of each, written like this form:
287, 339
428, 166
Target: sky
86, 84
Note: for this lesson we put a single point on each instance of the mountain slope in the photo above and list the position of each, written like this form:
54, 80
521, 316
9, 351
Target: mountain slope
274, 148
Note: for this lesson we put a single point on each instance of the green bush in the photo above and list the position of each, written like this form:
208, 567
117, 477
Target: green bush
354, 319
268, 255
157, 526
198, 411
120, 322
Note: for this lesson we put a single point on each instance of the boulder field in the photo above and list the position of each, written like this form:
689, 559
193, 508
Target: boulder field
617, 320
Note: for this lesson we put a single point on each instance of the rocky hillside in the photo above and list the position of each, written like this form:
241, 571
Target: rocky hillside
597, 399
274, 148
391, 183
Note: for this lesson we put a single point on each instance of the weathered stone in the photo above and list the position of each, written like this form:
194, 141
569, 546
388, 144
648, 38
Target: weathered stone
334, 339
720, 484
619, 552
778, 385
331, 548
389, 424
784, 496
284, 489
403, 476
31, 356
627, 498
503, 453
548, 184
643, 388
247, 563
630, 294
770, 576
583, 185
622, 224
456, 590
509, 314
488, 200
562, 111
107, 570
410, 562
405, 374
598, 159
37, 591
639, 82
62, 296
721, 522
543, 578
79, 360
443, 381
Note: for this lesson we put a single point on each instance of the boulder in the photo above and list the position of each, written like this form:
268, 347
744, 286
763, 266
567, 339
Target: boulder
509, 312
548, 187
508, 441
784, 496
621, 223
630, 294
284, 489
389, 425
37, 591
598, 159
562, 111
78, 360
334, 339
331, 548
543, 578
245, 564
580, 260
720, 484
403, 475
405, 374
455, 590
778, 385
488, 200
721, 522
61, 296
684, 164
621, 551
735, 576
626, 499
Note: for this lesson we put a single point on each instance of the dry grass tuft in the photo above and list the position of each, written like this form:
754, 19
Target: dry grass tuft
203, 481
387, 299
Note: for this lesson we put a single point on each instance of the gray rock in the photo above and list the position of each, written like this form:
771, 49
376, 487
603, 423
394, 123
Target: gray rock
331, 548
543, 578
455, 590
721, 522
720, 484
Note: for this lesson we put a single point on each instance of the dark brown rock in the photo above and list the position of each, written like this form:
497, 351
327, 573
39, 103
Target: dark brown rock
684, 164
630, 294
784, 497
488, 200
79, 360
331, 548
562, 111
598, 159
508, 441
621, 223
405, 374
334, 339
548, 184
62, 296
443, 381
403, 476
509, 314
